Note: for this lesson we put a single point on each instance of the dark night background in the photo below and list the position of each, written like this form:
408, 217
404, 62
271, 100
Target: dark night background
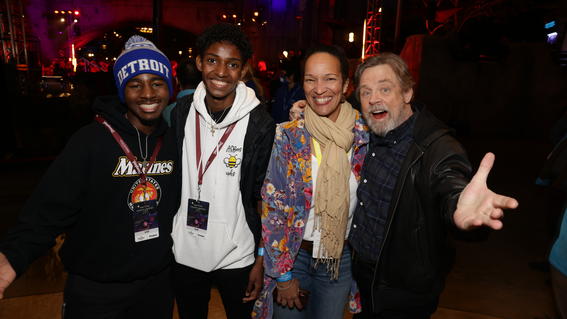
488, 68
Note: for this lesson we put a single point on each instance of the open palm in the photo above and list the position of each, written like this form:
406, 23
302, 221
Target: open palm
478, 205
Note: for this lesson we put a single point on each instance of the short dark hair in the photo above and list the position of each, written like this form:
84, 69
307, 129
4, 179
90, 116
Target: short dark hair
397, 64
225, 32
187, 74
333, 50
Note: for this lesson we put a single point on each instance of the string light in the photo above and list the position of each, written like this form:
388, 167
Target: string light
145, 29
351, 37
254, 17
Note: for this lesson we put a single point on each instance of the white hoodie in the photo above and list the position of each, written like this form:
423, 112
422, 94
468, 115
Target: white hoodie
228, 242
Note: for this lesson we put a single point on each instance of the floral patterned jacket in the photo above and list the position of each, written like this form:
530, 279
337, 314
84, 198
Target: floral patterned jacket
287, 193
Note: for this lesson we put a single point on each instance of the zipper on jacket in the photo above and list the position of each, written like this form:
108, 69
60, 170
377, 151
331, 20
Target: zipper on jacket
388, 229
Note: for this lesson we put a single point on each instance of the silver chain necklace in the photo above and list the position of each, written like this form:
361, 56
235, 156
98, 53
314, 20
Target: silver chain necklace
214, 124
144, 157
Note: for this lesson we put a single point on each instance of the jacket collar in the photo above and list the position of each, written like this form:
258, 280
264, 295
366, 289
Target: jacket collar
427, 127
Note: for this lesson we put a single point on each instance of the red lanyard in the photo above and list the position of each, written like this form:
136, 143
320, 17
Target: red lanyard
141, 170
215, 151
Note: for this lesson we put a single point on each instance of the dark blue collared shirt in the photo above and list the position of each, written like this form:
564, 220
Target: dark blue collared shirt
378, 179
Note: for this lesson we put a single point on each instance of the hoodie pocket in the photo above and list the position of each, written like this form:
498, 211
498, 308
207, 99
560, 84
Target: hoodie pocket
206, 252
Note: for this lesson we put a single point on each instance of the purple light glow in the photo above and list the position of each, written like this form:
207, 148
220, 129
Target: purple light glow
279, 5
551, 37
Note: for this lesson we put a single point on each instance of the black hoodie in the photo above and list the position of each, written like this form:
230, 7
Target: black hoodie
86, 194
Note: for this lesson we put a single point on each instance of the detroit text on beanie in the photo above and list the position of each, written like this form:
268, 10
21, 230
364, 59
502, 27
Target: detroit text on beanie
140, 56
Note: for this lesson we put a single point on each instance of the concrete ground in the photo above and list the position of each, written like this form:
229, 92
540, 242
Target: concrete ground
504, 276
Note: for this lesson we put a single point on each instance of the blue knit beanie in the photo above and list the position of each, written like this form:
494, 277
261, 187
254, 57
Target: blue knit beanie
140, 56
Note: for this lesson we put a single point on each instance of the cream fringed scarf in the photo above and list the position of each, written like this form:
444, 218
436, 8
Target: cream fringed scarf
332, 190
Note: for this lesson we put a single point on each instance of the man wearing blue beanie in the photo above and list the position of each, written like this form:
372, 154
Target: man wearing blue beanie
113, 194
141, 56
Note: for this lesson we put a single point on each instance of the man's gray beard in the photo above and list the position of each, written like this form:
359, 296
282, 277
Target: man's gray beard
376, 128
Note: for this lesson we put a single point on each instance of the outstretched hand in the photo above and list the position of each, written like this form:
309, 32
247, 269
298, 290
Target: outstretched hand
478, 205
7, 274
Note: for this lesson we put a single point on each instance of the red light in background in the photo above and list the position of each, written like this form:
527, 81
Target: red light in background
262, 66
76, 12
174, 66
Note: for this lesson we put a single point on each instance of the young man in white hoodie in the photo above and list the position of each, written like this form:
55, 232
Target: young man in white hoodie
224, 141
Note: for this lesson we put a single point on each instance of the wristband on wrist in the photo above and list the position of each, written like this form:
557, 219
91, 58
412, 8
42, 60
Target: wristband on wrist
261, 251
282, 287
285, 277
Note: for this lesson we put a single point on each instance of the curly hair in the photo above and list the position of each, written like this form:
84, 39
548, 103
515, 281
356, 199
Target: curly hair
224, 32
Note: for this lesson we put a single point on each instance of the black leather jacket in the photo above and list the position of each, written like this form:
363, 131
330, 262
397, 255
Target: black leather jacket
256, 156
416, 253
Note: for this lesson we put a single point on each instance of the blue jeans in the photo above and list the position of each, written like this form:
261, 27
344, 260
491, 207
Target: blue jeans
328, 297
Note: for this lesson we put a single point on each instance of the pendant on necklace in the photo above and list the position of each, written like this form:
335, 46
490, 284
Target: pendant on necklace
144, 164
212, 129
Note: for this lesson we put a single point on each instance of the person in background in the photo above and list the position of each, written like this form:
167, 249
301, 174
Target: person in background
188, 77
309, 197
290, 91
252, 82
554, 177
558, 261
224, 138
113, 193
